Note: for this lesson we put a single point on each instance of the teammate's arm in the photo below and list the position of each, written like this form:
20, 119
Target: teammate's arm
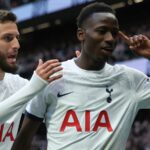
37, 82
24, 138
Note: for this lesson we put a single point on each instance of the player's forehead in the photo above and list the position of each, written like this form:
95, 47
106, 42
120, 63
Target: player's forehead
9, 28
101, 18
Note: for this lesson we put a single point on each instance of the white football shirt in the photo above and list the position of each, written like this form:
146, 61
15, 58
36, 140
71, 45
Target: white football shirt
8, 130
91, 110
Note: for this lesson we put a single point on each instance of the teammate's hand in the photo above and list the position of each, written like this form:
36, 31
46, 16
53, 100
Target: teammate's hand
77, 52
47, 69
139, 44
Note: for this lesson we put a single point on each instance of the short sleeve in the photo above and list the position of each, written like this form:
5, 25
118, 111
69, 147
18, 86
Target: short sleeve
37, 106
141, 87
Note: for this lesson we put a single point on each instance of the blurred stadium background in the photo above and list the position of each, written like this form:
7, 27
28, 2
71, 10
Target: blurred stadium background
48, 30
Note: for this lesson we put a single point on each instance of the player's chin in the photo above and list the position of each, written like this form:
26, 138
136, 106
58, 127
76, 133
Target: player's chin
11, 68
101, 58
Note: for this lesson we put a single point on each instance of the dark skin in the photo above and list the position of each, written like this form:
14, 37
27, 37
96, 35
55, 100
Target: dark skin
98, 38
25, 136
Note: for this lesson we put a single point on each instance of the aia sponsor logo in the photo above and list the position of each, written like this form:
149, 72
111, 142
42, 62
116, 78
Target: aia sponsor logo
6, 132
102, 121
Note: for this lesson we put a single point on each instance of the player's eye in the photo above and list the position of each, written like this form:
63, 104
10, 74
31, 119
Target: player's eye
8, 38
115, 33
101, 31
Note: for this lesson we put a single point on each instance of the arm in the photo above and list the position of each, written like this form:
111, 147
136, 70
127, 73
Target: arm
24, 138
17, 100
37, 83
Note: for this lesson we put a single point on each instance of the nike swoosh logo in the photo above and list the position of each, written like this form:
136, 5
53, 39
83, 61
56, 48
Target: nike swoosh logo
61, 95
148, 79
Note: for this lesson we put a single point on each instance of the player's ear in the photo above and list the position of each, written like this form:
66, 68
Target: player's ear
81, 34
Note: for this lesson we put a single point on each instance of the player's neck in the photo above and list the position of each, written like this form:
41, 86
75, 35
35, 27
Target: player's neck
89, 65
2, 73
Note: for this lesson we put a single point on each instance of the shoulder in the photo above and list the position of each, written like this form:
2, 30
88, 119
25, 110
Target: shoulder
15, 79
68, 63
54, 87
128, 70
130, 74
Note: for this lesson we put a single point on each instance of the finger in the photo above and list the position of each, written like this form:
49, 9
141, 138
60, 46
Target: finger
39, 66
40, 62
47, 63
54, 78
40, 69
144, 37
77, 52
136, 41
51, 66
133, 48
124, 37
54, 72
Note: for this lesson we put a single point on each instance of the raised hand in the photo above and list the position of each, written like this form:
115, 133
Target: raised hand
77, 52
47, 69
139, 44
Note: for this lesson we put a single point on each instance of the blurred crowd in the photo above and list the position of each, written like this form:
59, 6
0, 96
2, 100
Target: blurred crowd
8, 4
139, 138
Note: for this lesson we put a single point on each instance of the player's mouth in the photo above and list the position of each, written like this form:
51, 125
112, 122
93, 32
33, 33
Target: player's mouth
107, 50
11, 59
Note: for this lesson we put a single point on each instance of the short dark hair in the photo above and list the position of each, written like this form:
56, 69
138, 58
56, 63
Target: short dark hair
92, 8
6, 15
